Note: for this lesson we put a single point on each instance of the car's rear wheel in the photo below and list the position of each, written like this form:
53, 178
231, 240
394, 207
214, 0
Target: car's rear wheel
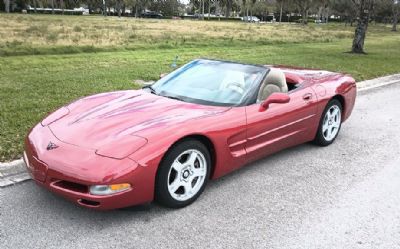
330, 123
183, 174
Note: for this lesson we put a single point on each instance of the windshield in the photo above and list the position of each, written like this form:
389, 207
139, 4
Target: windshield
210, 82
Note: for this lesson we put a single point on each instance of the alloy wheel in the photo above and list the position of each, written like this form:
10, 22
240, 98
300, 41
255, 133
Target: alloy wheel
331, 123
187, 175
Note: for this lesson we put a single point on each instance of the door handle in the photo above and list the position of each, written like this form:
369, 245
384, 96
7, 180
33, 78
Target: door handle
307, 96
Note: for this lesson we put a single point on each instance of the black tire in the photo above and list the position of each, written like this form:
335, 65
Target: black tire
320, 138
162, 194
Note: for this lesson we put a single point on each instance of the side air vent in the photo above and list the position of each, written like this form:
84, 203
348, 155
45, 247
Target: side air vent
71, 186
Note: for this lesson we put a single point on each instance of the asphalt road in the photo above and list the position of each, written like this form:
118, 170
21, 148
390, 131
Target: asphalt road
342, 196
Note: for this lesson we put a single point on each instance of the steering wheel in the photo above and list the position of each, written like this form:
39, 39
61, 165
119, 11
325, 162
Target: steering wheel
235, 86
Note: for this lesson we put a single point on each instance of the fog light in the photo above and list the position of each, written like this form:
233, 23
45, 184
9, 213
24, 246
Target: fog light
109, 189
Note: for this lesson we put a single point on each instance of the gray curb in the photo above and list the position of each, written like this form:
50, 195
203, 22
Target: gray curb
12, 173
15, 172
378, 82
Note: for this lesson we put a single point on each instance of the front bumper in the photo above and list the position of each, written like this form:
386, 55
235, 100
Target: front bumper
69, 170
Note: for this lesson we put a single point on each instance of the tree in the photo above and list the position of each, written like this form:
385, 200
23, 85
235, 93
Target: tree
304, 6
284, 7
52, 7
345, 9
245, 6
396, 11
323, 11
260, 9
34, 5
364, 8
280, 2
118, 4
383, 11
6, 6
251, 2
228, 8
62, 6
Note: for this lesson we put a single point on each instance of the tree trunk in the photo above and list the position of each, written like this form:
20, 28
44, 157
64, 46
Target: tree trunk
209, 9
6, 6
202, 10
326, 14
119, 8
361, 29
228, 8
52, 7
90, 7
395, 17
104, 8
304, 16
280, 13
320, 14
62, 6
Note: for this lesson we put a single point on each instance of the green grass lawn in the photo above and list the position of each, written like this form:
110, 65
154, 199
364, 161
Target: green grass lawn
33, 85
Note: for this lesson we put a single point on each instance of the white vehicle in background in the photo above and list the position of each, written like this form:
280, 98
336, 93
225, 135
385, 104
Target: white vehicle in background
83, 10
250, 19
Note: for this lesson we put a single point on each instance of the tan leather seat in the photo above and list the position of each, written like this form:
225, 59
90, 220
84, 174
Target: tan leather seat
274, 82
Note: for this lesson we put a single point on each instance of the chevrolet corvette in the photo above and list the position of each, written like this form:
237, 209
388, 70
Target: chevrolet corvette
165, 141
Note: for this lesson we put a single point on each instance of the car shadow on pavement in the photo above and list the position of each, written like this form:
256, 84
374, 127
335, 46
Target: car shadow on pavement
213, 185
51, 205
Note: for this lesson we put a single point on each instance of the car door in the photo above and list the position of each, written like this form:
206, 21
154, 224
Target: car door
281, 125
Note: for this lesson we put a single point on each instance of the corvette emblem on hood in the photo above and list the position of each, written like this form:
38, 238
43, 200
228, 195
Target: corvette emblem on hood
51, 146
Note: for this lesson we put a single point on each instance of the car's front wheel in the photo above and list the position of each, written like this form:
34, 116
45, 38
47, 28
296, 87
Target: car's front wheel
330, 123
183, 174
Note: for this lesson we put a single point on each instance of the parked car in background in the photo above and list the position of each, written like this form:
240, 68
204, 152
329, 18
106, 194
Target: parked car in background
250, 19
151, 14
319, 21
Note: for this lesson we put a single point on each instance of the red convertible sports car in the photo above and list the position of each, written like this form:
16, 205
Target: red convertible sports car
200, 122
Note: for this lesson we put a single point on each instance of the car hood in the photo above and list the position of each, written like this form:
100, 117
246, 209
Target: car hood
95, 121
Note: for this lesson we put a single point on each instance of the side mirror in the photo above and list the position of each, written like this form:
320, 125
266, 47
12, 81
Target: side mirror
275, 98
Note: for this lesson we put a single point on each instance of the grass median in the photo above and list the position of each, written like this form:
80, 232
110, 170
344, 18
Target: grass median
38, 75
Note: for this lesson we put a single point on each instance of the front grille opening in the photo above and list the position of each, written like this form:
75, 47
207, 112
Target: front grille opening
89, 203
72, 186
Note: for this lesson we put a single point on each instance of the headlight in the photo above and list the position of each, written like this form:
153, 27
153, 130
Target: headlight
109, 189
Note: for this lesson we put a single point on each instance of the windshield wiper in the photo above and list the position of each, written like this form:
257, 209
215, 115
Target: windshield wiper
152, 90
172, 97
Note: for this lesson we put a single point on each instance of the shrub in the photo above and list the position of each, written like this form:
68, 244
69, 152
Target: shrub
77, 29
37, 29
52, 37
